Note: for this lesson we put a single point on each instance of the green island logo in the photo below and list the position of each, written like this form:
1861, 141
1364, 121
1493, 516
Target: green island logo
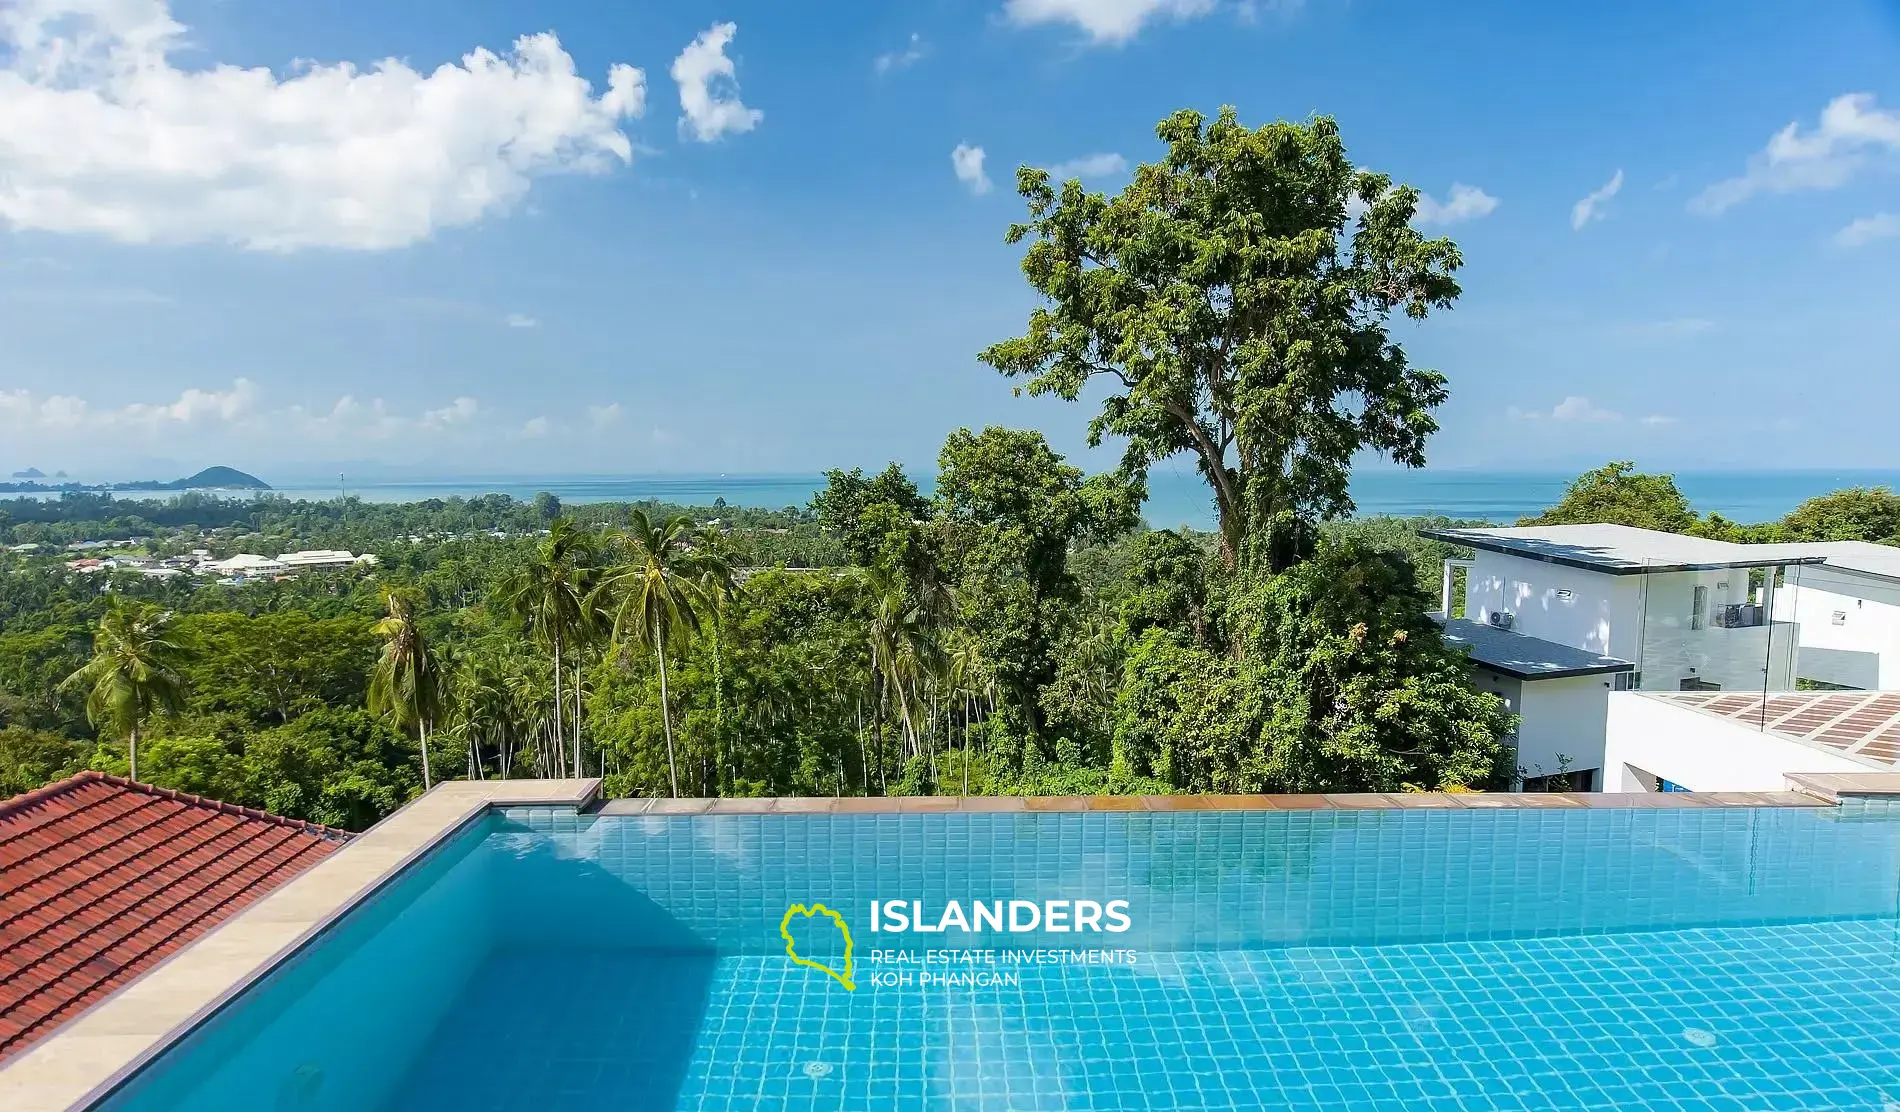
791, 949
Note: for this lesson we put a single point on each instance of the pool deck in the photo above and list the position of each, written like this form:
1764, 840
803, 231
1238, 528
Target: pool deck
83, 1060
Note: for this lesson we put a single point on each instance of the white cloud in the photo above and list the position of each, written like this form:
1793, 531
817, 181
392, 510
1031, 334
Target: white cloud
1867, 229
21, 411
237, 421
101, 133
912, 53
1577, 409
1466, 202
709, 88
521, 320
459, 411
1104, 21
1090, 166
967, 161
1591, 207
1851, 128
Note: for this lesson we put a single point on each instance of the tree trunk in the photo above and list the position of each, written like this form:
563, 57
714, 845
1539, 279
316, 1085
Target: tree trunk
427, 781
576, 669
666, 713
560, 749
132, 749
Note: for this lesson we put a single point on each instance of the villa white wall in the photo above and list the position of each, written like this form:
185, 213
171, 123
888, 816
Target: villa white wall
1561, 722
1532, 591
1701, 752
1564, 724
1864, 649
1642, 618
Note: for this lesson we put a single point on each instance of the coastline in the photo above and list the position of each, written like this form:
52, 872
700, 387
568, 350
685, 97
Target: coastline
1176, 498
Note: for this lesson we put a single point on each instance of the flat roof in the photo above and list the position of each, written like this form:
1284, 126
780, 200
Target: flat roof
1625, 550
1526, 658
1861, 724
1865, 557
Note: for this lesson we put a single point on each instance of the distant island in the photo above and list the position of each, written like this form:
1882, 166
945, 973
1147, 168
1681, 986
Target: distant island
211, 478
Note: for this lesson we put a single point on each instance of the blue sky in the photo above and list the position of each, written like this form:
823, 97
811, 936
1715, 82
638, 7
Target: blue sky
500, 271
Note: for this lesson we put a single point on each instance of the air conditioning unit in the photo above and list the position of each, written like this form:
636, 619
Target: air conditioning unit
1503, 619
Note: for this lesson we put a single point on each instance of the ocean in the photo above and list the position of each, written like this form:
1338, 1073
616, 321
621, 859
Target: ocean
1176, 497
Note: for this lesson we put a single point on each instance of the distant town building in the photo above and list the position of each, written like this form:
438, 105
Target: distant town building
320, 559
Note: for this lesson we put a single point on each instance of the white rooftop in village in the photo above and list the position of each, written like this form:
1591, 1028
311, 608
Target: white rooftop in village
1624, 550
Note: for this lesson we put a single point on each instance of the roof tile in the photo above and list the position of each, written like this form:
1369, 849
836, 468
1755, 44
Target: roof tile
101, 878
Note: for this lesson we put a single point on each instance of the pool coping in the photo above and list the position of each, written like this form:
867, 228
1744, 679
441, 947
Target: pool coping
90, 1056
1368, 801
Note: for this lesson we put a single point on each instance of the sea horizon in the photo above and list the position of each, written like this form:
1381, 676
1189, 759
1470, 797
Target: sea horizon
1175, 497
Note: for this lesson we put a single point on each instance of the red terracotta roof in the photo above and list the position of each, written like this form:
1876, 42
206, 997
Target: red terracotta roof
101, 878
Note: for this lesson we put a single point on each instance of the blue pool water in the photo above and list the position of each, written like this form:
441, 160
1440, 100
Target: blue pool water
1508, 960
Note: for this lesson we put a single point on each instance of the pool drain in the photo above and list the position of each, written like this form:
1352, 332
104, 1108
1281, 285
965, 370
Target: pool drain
816, 1070
1698, 1037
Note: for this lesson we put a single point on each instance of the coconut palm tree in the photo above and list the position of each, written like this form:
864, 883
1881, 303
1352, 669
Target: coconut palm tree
549, 595
905, 638
133, 672
659, 593
405, 686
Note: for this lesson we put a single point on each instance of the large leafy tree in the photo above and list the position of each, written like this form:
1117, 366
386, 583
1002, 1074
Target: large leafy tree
659, 591
1618, 494
1235, 298
1855, 514
548, 594
134, 672
1012, 510
406, 684
1346, 685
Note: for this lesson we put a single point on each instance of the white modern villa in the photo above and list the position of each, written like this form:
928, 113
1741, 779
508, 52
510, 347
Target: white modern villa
1640, 660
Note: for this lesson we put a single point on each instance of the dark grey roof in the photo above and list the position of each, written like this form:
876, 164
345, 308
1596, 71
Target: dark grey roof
1527, 658
1623, 550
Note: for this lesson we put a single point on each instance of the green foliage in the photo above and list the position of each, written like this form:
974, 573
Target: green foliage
1238, 312
1167, 578
1618, 494
30, 758
133, 672
1361, 686
865, 514
1343, 684
1856, 514
272, 668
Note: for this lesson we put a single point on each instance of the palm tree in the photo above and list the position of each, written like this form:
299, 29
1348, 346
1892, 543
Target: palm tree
406, 684
133, 672
549, 594
904, 636
660, 593
483, 713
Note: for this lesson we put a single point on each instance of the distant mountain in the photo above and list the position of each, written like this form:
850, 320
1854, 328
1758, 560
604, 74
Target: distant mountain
211, 478
30, 473
219, 478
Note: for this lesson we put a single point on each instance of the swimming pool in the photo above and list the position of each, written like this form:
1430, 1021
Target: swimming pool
1744, 958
